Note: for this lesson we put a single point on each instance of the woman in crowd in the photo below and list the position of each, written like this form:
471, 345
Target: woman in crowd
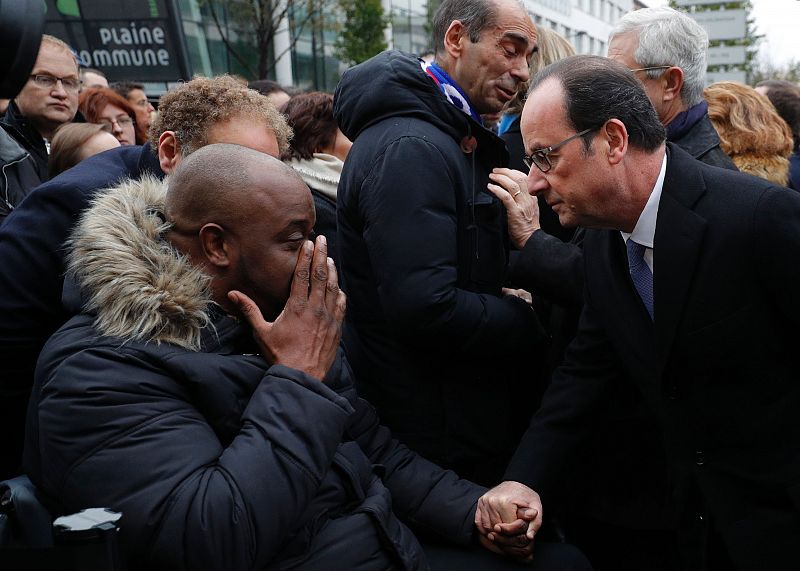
317, 152
74, 142
552, 47
751, 132
785, 97
106, 107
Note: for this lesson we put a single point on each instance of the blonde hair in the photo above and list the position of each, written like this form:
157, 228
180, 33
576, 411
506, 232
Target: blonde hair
551, 47
751, 132
192, 108
66, 147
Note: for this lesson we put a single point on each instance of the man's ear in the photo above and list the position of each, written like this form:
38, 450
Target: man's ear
672, 82
169, 151
454, 39
616, 138
215, 245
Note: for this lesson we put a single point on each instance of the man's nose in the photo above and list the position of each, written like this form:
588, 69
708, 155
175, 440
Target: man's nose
537, 182
58, 90
521, 70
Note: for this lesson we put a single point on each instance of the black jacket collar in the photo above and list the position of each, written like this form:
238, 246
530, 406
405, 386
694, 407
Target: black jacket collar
27, 136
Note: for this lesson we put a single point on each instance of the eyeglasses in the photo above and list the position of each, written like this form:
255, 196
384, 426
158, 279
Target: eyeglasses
70, 84
540, 157
108, 124
651, 68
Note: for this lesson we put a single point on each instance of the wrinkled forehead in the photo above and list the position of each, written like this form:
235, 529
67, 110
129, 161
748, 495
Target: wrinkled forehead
513, 22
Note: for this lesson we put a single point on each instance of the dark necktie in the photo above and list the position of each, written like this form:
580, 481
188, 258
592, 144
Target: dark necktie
640, 274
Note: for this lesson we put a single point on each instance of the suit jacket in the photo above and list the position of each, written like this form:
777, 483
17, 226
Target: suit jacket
717, 365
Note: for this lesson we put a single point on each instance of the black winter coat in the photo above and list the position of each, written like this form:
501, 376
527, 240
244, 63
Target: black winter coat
423, 249
18, 174
216, 459
31, 276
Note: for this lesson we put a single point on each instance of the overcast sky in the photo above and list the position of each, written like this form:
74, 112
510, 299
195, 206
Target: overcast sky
779, 22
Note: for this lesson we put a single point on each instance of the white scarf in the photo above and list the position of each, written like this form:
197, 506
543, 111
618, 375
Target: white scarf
320, 173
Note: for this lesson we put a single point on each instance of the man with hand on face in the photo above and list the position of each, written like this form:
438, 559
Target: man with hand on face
230, 443
48, 100
423, 245
685, 265
201, 111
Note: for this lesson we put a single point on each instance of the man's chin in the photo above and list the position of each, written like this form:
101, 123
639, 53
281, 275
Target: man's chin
59, 117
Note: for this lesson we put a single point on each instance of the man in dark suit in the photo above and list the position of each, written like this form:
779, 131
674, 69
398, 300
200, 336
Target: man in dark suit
690, 278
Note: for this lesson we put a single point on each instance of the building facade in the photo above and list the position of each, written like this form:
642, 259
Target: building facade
161, 42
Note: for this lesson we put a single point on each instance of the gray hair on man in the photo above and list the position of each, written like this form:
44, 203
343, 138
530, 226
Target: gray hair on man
475, 15
669, 37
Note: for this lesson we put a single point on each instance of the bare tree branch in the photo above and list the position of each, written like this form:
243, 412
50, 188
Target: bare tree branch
263, 18
225, 40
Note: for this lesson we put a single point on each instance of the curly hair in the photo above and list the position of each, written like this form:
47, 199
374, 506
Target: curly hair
192, 108
750, 130
95, 99
310, 115
550, 47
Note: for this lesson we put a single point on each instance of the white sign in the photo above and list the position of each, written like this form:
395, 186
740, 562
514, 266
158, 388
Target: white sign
722, 24
714, 76
726, 55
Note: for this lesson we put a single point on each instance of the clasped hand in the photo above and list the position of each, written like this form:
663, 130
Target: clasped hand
508, 517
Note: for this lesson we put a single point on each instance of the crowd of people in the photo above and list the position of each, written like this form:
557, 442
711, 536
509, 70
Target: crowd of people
416, 323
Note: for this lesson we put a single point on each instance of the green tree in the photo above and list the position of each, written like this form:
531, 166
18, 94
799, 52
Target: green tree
361, 36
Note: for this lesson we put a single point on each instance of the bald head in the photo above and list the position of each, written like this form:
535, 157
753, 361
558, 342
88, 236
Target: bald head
243, 216
218, 183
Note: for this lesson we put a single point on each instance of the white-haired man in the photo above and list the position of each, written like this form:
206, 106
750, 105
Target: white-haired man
667, 51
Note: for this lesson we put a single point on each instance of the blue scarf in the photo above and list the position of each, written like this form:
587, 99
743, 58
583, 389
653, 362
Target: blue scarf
450, 89
505, 122
685, 120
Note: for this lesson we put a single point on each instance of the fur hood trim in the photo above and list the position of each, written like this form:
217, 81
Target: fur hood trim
132, 279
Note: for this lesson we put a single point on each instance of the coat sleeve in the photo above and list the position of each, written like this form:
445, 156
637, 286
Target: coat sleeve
188, 502
568, 409
548, 267
408, 205
423, 494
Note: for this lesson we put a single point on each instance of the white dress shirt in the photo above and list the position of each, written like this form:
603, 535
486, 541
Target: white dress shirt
645, 230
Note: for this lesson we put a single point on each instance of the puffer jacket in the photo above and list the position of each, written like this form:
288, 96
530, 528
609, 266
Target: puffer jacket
18, 175
423, 249
153, 403
32, 276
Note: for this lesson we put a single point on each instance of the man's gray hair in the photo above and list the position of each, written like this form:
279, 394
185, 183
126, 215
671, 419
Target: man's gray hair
669, 37
475, 15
